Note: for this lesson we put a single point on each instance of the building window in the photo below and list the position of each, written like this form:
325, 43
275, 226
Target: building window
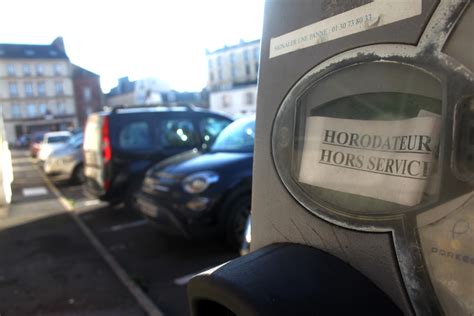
256, 68
226, 101
246, 56
233, 69
255, 54
41, 88
26, 70
29, 52
247, 70
61, 108
209, 63
39, 69
43, 109
211, 77
249, 98
28, 89
59, 88
31, 109
87, 93
16, 111
57, 69
11, 70
12, 87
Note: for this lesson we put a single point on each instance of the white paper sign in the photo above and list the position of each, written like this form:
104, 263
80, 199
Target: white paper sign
365, 17
386, 160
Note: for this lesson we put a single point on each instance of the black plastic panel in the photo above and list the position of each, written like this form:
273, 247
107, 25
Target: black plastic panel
287, 279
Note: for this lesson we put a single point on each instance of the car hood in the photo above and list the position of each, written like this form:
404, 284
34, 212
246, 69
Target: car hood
53, 146
191, 162
46, 149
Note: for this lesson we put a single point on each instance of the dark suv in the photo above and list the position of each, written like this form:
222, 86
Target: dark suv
121, 144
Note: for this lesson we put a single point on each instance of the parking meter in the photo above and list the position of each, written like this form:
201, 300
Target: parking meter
364, 163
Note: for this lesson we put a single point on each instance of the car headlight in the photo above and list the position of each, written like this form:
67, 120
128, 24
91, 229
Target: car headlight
198, 182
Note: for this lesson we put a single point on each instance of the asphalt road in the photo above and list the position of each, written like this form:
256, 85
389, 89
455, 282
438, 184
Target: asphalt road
160, 264
48, 266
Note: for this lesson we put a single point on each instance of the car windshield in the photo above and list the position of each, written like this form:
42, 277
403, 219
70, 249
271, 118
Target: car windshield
57, 139
238, 136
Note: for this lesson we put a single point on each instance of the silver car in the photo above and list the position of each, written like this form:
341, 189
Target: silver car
67, 162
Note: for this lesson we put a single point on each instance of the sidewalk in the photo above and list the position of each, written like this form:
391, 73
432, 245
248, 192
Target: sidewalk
47, 265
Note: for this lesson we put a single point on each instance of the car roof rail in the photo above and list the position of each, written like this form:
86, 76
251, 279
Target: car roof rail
187, 106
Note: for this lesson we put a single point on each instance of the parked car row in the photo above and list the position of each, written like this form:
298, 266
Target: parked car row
188, 171
67, 161
59, 154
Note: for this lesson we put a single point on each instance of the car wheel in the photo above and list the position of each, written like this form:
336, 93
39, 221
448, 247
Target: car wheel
78, 175
237, 220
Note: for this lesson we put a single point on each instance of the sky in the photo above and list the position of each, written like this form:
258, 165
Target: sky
166, 39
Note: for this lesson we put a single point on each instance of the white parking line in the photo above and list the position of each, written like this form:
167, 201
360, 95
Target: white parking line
125, 226
35, 191
145, 302
91, 202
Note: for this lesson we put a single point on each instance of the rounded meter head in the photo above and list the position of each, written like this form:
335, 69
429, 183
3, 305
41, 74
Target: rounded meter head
381, 139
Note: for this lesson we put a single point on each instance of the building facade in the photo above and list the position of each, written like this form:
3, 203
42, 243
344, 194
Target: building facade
232, 78
237, 101
122, 94
36, 89
151, 91
87, 93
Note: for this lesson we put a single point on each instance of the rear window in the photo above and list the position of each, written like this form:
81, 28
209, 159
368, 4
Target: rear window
92, 133
57, 139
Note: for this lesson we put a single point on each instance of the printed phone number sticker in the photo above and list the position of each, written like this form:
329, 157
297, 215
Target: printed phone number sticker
372, 15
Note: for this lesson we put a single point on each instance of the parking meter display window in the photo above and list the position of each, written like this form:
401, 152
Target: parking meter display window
447, 239
369, 152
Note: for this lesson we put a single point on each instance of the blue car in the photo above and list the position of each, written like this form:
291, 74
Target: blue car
204, 192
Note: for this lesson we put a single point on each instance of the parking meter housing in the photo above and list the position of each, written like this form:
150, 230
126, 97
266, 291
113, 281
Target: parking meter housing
364, 151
